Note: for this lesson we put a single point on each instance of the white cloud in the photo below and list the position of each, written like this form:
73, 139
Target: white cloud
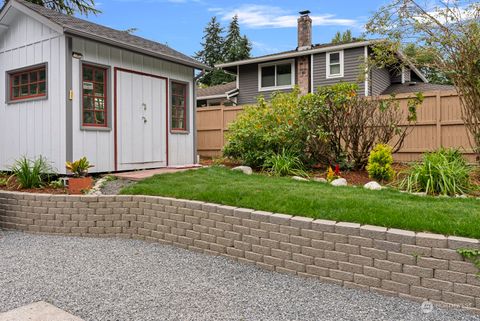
262, 16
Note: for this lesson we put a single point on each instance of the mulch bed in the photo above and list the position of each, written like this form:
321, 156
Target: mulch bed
12, 187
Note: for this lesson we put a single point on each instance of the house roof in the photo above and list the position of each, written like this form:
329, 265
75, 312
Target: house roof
83, 28
414, 87
315, 49
218, 91
297, 53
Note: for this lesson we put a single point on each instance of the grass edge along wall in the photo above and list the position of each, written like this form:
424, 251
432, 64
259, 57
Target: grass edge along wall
417, 266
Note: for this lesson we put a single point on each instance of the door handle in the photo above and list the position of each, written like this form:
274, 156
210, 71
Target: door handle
144, 119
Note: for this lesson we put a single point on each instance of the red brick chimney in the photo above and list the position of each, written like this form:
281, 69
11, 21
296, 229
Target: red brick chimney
304, 31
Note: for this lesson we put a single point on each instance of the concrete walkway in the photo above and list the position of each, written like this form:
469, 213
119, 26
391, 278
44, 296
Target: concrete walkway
125, 280
139, 175
38, 311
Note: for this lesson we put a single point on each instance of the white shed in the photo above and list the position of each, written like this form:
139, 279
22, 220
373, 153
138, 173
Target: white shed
74, 88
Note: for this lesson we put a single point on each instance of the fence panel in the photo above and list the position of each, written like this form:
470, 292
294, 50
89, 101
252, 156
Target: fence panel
439, 124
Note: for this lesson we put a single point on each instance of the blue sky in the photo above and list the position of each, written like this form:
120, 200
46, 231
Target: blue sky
270, 25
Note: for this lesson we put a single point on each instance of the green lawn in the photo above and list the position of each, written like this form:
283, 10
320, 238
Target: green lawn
387, 208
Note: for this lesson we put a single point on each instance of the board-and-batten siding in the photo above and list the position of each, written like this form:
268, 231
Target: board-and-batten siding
248, 84
33, 128
99, 145
353, 59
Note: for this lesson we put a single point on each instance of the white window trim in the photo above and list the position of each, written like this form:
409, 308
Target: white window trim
260, 66
328, 75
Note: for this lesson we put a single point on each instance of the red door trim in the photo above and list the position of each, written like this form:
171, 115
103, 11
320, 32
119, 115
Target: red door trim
116, 69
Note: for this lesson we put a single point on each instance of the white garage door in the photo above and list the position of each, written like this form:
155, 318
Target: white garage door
141, 121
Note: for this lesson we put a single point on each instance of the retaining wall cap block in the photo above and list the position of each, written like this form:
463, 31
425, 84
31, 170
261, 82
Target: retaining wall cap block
457, 242
377, 232
401, 236
347, 228
431, 240
281, 219
261, 216
324, 225
243, 212
301, 222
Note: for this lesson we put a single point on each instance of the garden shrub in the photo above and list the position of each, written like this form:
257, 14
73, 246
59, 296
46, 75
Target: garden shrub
380, 163
443, 172
332, 126
31, 173
265, 129
284, 164
342, 127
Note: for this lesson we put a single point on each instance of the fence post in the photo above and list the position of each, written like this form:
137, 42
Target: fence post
222, 127
438, 114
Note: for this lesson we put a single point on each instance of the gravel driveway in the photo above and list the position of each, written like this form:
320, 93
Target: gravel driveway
113, 279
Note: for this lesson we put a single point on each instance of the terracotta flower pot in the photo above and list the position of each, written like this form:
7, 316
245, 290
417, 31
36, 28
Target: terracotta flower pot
79, 185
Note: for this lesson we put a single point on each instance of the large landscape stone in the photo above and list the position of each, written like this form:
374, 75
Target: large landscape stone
373, 186
339, 182
245, 169
299, 178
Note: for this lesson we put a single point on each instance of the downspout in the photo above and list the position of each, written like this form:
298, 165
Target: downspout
196, 159
69, 98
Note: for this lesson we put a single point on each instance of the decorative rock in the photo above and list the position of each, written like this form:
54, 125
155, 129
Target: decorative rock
245, 169
373, 186
419, 193
339, 182
298, 178
320, 180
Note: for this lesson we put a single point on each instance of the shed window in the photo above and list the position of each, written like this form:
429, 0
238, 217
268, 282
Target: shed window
335, 64
276, 76
28, 83
94, 96
179, 106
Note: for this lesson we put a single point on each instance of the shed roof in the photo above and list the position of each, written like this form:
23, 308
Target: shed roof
87, 29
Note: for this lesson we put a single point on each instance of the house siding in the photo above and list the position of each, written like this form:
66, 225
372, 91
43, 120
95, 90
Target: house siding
248, 84
37, 127
99, 145
379, 81
353, 58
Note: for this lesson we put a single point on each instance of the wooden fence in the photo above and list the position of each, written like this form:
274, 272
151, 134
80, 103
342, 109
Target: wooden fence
439, 124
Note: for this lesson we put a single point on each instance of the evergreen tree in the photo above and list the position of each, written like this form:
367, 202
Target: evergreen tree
212, 45
236, 46
69, 6
217, 49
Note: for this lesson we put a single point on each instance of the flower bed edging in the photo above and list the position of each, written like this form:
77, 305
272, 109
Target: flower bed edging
418, 266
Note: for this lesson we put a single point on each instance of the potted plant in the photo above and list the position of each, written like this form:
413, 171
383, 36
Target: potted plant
80, 182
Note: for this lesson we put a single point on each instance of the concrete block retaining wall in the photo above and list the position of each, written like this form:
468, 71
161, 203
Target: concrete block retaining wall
390, 261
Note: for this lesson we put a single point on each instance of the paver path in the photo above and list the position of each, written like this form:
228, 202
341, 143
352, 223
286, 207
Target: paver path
113, 279
38, 311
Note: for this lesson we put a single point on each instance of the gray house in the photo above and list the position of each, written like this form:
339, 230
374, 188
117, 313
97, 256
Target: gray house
310, 66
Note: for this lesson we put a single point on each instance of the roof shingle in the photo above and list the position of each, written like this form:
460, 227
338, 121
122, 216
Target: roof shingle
216, 90
414, 87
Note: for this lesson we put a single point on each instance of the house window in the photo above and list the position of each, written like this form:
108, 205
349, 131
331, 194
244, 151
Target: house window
335, 64
179, 106
276, 76
28, 83
94, 96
